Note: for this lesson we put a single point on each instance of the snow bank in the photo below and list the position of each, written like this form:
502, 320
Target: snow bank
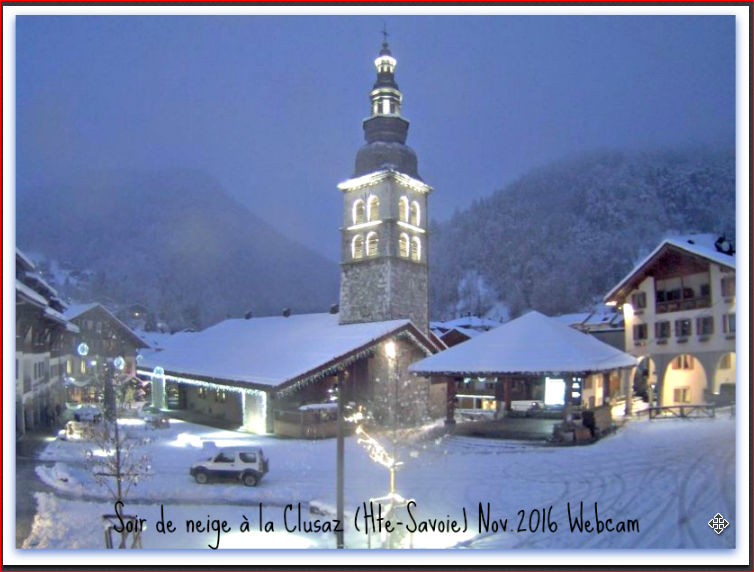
671, 475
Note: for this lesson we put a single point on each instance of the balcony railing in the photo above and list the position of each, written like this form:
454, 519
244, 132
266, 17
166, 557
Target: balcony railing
681, 305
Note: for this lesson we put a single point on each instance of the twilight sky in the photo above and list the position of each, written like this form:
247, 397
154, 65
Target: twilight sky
272, 106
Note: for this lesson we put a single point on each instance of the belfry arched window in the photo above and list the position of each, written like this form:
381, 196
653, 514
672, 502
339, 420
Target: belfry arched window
416, 249
403, 209
403, 245
415, 214
373, 244
373, 208
358, 212
357, 247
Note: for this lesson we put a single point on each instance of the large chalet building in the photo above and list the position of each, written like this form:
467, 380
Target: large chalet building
104, 337
679, 307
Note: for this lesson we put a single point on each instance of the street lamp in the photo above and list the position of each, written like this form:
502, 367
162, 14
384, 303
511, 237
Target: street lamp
339, 479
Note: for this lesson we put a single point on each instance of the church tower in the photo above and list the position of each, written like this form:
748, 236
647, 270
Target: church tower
383, 270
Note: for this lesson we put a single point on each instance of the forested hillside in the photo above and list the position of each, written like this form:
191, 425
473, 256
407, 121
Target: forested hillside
559, 237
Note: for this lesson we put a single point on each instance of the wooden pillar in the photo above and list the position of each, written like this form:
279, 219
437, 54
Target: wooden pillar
450, 402
628, 392
507, 393
568, 398
605, 388
498, 396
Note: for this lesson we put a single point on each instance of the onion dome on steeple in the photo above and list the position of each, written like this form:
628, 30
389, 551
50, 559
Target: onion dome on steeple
385, 130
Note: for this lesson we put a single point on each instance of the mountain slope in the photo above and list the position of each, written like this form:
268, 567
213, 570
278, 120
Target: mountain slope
175, 241
561, 236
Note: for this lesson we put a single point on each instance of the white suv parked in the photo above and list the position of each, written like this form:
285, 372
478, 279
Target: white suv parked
247, 466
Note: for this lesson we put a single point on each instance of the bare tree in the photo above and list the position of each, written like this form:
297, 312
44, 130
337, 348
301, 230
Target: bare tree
115, 461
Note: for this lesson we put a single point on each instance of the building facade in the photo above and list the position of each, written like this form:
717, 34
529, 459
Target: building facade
384, 255
102, 337
679, 307
41, 348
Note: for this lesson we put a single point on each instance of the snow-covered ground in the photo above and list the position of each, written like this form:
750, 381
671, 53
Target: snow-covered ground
671, 475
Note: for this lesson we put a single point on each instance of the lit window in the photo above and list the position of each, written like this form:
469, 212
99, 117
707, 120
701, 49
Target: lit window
358, 212
374, 208
416, 249
372, 244
69, 366
403, 209
415, 216
83, 366
385, 106
684, 361
681, 395
403, 245
357, 247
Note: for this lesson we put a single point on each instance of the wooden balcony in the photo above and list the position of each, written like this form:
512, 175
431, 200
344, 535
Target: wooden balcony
682, 305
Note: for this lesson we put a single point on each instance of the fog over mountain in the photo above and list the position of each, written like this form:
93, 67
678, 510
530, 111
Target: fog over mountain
560, 237
555, 240
175, 241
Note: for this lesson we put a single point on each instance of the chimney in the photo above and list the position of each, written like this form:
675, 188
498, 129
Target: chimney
286, 312
247, 315
334, 308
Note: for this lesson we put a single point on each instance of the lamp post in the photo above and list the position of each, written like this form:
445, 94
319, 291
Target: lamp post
339, 479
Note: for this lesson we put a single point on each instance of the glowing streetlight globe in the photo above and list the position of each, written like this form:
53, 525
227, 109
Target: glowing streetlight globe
119, 363
158, 371
82, 349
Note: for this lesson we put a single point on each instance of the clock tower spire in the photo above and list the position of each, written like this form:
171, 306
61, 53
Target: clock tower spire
384, 270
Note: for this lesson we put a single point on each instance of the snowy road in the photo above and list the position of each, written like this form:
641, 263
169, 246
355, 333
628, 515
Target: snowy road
672, 476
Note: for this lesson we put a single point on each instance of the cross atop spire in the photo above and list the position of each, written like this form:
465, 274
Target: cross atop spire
384, 33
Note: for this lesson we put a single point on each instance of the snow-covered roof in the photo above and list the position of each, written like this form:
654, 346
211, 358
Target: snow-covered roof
468, 332
373, 178
268, 351
25, 260
702, 245
58, 317
157, 340
572, 319
34, 276
604, 320
531, 344
592, 320
75, 310
471, 322
30, 293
